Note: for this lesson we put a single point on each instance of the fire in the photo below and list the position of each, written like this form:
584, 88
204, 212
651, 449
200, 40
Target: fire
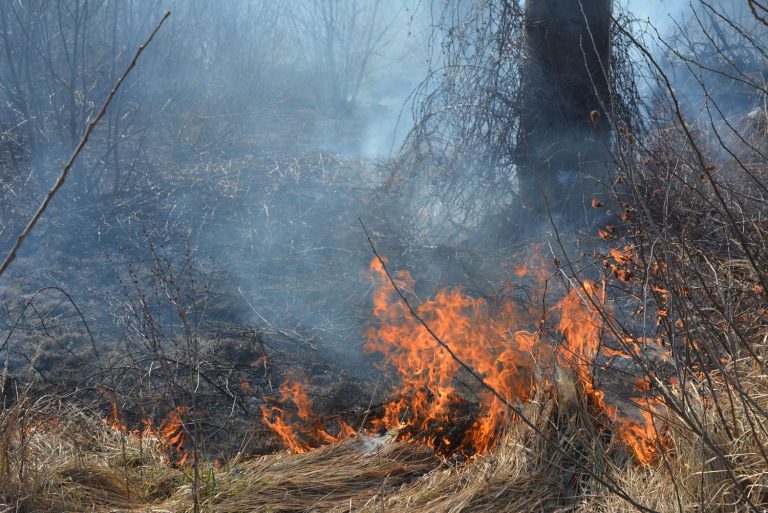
514, 349
487, 337
115, 420
581, 326
505, 344
300, 430
172, 433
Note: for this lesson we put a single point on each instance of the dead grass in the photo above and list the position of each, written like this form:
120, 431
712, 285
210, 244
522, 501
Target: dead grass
60, 458
77, 463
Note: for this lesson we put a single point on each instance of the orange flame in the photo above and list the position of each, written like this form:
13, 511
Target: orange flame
581, 326
499, 343
302, 430
487, 337
502, 342
115, 420
171, 433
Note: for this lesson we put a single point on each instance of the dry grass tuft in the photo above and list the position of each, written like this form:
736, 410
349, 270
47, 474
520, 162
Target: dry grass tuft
60, 458
333, 476
74, 462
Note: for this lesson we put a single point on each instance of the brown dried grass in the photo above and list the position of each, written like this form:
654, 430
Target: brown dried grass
80, 464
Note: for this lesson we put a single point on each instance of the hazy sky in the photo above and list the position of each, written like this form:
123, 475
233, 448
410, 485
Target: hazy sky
657, 11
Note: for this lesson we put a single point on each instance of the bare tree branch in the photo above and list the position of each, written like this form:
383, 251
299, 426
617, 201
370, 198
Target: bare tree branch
83, 141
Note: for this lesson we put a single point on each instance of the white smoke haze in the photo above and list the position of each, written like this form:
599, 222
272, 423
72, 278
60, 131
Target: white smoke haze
280, 109
658, 12
256, 133
207, 255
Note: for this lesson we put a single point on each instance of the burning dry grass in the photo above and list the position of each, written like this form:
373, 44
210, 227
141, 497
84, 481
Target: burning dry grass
79, 463
693, 473
703, 441
55, 458
525, 473
706, 441
83, 464
522, 474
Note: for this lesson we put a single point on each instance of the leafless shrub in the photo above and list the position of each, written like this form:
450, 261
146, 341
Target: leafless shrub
695, 207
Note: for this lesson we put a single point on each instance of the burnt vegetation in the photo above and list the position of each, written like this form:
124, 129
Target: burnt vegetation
357, 255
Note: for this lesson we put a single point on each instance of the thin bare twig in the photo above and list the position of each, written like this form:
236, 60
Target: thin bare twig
83, 141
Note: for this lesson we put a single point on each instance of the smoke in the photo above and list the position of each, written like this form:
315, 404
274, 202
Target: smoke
710, 52
249, 132
660, 14
255, 133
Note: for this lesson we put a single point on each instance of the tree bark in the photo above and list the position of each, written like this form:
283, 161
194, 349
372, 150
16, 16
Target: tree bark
564, 133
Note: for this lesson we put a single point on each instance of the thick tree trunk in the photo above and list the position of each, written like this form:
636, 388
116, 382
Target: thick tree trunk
564, 130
